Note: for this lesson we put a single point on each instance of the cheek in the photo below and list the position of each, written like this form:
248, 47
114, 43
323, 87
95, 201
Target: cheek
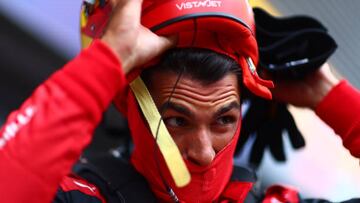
221, 141
221, 138
180, 138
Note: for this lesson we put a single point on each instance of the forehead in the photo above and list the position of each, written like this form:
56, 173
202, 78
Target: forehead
192, 91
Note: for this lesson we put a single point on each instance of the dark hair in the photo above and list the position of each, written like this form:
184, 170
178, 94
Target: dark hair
199, 64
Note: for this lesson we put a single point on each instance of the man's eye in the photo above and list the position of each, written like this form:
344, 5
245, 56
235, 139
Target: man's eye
175, 122
224, 120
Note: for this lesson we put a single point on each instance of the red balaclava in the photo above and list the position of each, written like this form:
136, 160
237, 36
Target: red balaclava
207, 183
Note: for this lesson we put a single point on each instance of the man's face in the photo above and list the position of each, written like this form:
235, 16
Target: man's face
202, 119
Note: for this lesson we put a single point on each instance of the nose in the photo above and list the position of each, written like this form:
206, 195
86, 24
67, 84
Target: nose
200, 149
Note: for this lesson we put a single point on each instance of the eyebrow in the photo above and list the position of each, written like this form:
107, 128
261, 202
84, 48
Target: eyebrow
175, 107
228, 107
187, 112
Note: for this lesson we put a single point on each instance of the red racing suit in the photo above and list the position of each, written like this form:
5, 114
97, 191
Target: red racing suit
41, 141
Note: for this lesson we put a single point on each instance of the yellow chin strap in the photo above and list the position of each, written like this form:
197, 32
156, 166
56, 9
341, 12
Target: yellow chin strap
167, 146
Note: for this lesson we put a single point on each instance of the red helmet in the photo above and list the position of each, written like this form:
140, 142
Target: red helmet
224, 26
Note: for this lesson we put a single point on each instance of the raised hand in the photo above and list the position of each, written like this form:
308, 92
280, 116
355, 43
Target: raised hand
133, 43
307, 92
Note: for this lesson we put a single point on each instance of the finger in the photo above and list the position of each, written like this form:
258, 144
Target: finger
134, 9
127, 11
156, 45
257, 151
296, 138
276, 145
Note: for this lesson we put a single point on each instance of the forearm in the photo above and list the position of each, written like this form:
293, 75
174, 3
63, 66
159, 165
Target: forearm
41, 141
340, 110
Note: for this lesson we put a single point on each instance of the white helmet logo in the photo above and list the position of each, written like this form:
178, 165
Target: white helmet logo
198, 4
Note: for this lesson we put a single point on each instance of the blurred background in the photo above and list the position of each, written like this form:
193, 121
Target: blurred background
37, 37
